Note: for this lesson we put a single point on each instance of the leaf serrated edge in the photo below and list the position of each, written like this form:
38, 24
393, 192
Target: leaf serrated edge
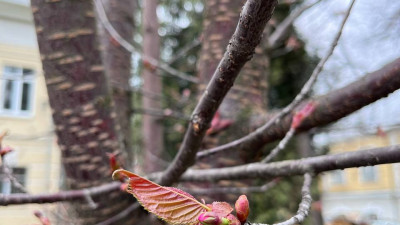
129, 190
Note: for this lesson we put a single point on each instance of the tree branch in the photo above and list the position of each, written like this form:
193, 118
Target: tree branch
329, 108
313, 165
304, 206
232, 190
281, 145
7, 171
185, 49
129, 47
166, 113
240, 49
306, 89
124, 213
81, 194
283, 28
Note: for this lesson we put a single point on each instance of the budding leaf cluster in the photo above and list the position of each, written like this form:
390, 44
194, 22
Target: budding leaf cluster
178, 207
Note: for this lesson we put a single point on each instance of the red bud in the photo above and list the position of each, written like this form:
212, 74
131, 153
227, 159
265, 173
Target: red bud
5, 150
302, 114
242, 208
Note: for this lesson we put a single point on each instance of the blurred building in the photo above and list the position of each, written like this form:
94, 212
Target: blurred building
369, 194
24, 112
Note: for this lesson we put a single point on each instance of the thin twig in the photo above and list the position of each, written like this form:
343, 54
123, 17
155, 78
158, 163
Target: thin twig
232, 190
304, 206
129, 47
313, 165
329, 108
18, 199
282, 144
283, 28
7, 171
124, 213
241, 47
164, 114
183, 51
289, 108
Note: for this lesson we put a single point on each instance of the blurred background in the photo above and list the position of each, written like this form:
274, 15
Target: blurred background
368, 195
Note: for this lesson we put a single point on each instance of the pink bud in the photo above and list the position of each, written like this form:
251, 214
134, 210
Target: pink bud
5, 150
242, 208
209, 218
302, 114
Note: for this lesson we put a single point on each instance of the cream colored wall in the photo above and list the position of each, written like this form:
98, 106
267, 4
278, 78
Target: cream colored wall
385, 178
32, 137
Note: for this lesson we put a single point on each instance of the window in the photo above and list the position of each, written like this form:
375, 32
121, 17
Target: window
6, 186
368, 174
337, 177
16, 91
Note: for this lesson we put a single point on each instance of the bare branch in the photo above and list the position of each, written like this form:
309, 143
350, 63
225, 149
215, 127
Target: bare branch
196, 42
129, 47
329, 108
232, 190
306, 89
304, 206
7, 171
120, 215
313, 165
18, 199
166, 113
282, 144
283, 28
247, 36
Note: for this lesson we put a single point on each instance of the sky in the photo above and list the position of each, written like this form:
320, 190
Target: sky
369, 40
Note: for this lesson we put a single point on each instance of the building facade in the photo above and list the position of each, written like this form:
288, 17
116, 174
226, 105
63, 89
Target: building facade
367, 194
25, 113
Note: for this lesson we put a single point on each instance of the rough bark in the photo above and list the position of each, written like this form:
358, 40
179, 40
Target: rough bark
247, 96
153, 140
241, 47
117, 66
80, 99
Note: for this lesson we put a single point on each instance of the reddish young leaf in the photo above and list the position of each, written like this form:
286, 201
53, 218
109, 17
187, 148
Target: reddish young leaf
223, 209
148, 65
114, 165
2, 135
233, 220
302, 114
43, 219
380, 132
5, 150
170, 204
218, 124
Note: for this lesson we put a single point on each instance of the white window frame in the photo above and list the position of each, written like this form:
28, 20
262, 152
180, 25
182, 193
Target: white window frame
6, 184
19, 80
334, 175
362, 171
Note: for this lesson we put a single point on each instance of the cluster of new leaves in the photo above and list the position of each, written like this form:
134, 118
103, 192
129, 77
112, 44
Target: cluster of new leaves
178, 207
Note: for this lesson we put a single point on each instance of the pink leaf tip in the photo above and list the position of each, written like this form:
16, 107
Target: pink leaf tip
302, 114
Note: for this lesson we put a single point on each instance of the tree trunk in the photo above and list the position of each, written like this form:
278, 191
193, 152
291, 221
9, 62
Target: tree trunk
80, 98
117, 65
247, 97
153, 140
